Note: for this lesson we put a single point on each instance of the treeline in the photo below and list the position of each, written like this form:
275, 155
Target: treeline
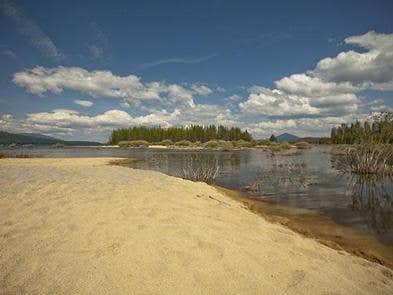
192, 133
378, 130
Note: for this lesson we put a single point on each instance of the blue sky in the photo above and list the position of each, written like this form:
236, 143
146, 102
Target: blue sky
78, 69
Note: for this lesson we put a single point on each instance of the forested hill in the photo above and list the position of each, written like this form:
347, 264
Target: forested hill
192, 133
7, 138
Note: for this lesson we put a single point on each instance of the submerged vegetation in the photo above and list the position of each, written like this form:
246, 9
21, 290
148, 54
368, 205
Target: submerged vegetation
191, 133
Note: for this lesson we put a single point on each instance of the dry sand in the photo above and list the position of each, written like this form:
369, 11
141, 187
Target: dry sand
81, 226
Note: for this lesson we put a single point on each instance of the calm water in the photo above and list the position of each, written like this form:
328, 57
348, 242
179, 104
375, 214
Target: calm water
305, 179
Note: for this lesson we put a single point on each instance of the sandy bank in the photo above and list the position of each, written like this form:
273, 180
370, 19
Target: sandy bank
81, 226
320, 227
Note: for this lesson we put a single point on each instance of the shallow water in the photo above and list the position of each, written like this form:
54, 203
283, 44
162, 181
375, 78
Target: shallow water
297, 179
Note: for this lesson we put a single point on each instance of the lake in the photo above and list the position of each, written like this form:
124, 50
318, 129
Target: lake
296, 179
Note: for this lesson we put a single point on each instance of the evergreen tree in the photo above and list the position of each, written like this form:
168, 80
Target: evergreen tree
379, 130
192, 133
273, 138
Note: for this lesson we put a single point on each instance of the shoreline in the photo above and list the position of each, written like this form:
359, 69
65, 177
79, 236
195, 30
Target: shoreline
320, 228
310, 224
79, 225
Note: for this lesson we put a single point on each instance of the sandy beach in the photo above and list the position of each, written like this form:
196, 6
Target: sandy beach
81, 226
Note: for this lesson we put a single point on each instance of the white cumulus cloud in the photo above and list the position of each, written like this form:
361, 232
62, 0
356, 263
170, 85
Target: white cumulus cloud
83, 103
41, 80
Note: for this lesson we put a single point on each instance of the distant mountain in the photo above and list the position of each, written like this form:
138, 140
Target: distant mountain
7, 138
287, 137
39, 135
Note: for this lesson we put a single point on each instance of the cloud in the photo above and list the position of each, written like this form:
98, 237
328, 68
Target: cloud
201, 89
332, 87
130, 89
9, 123
72, 119
279, 103
305, 85
83, 103
177, 60
372, 69
234, 97
267, 102
30, 29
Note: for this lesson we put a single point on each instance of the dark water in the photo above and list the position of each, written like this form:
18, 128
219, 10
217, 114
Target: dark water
300, 179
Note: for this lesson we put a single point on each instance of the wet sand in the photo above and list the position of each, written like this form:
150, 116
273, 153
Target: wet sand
319, 227
83, 226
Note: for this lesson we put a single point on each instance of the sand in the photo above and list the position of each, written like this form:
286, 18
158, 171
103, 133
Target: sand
81, 226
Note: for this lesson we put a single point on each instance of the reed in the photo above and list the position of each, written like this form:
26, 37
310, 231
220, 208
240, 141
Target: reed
197, 168
366, 159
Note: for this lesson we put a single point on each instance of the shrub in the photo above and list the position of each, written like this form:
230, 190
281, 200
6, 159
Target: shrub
166, 142
212, 144
243, 143
269, 143
285, 146
226, 145
276, 147
133, 143
302, 145
184, 143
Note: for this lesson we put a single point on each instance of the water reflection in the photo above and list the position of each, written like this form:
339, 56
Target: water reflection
284, 174
372, 197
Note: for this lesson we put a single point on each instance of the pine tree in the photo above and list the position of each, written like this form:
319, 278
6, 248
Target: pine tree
273, 138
